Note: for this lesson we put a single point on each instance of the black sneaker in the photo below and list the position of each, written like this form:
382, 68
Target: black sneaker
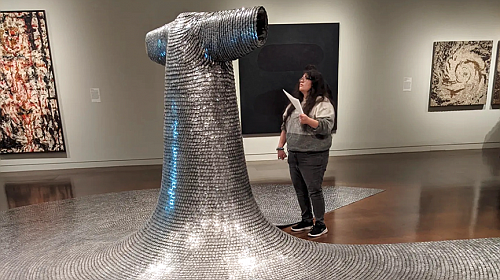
302, 226
318, 230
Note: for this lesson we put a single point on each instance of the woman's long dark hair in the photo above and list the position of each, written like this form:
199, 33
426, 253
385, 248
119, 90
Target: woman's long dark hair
318, 89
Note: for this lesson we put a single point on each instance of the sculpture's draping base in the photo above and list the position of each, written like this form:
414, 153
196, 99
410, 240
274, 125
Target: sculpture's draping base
67, 239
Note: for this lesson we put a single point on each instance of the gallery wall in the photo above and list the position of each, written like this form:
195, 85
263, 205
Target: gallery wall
100, 44
381, 42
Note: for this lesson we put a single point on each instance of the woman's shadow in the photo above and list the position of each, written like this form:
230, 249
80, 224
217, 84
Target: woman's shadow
491, 156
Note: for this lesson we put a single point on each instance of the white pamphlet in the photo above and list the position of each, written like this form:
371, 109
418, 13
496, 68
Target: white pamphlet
295, 102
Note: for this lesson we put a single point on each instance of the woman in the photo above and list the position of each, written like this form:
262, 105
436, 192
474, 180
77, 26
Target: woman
308, 137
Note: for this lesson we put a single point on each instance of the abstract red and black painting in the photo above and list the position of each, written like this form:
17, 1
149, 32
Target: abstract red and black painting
30, 121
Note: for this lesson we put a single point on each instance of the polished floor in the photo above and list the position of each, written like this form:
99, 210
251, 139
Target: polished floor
429, 196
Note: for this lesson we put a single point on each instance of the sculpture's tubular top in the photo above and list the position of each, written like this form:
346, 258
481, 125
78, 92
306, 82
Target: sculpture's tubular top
156, 44
232, 34
224, 35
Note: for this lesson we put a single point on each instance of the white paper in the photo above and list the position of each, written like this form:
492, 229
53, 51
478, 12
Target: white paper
295, 102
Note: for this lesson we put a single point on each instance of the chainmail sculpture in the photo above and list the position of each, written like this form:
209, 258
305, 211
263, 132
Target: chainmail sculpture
206, 224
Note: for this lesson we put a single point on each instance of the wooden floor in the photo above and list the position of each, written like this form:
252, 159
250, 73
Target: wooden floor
428, 196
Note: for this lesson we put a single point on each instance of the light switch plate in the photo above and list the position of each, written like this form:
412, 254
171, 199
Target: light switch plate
95, 95
407, 83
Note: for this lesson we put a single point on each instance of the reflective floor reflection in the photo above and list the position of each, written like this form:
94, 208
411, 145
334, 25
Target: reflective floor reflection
429, 196
23, 194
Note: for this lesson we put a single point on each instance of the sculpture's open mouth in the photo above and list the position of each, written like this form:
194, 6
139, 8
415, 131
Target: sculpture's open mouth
262, 23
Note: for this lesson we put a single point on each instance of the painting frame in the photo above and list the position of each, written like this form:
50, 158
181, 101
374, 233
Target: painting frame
28, 89
460, 74
495, 97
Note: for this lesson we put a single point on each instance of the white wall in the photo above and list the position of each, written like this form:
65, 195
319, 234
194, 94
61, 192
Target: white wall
100, 43
381, 42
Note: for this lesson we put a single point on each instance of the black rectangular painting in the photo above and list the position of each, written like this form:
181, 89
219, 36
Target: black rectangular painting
278, 65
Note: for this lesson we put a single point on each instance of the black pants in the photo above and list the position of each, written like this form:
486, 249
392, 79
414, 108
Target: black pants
306, 171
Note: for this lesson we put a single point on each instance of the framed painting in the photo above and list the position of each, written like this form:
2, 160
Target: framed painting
278, 65
30, 120
460, 73
496, 88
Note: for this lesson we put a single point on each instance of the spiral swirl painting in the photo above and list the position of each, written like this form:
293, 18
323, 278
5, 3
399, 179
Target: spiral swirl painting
460, 73
29, 113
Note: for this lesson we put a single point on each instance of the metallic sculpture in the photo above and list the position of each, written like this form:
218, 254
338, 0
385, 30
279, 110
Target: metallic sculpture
206, 224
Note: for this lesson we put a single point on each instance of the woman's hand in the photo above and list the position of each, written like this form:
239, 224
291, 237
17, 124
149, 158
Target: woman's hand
281, 154
305, 119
